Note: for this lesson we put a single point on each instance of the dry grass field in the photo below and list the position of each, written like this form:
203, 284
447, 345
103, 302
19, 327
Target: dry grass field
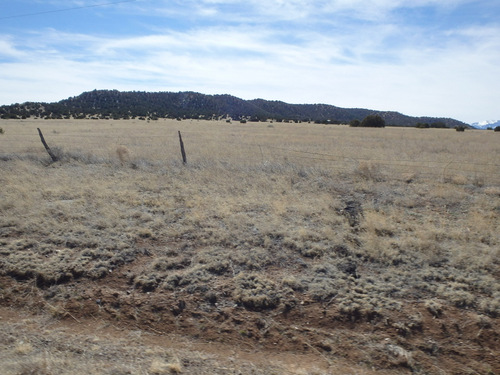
277, 249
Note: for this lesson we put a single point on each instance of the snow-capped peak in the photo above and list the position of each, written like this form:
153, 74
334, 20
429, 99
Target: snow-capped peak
486, 124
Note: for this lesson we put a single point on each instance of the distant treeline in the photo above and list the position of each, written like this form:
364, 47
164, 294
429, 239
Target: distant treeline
113, 104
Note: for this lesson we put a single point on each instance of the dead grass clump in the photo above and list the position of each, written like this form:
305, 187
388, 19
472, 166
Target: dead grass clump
434, 307
147, 282
357, 304
253, 259
307, 242
324, 283
123, 154
381, 250
492, 191
160, 367
256, 292
99, 271
162, 264
23, 348
458, 179
218, 267
398, 356
321, 289
193, 279
35, 367
369, 171
491, 306
348, 266
145, 233
379, 223
216, 261
457, 294
293, 283
414, 323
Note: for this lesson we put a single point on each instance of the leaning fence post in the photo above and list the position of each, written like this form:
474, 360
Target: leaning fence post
183, 152
52, 155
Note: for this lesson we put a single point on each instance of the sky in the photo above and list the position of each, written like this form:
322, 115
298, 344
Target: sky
437, 58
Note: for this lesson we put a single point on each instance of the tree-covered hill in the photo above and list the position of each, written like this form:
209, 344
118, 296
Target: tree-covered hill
117, 104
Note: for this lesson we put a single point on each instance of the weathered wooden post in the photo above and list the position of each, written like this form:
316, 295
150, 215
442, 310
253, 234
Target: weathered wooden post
51, 154
183, 152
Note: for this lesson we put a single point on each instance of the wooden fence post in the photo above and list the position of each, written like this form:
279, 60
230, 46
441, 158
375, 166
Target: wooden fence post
183, 152
51, 154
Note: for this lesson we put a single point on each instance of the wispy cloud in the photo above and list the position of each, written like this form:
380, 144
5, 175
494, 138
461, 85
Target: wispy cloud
8, 50
404, 55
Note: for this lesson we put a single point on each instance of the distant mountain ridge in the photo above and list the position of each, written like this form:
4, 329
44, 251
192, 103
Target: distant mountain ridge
127, 104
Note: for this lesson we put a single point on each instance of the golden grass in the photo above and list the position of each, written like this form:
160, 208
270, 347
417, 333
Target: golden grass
398, 153
366, 220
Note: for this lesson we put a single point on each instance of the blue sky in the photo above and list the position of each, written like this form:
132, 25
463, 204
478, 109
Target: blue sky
419, 57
